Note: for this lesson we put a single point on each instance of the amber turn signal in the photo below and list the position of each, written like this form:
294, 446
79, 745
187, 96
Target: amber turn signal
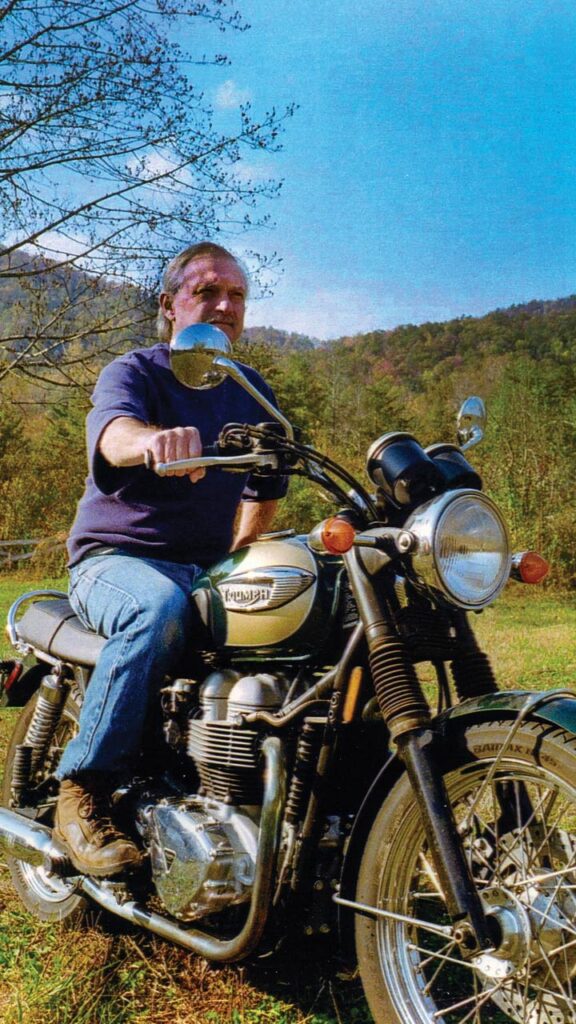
337, 535
530, 567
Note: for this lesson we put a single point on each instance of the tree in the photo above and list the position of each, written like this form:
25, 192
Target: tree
110, 162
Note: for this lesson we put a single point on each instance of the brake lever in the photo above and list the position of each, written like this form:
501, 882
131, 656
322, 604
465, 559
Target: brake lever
232, 463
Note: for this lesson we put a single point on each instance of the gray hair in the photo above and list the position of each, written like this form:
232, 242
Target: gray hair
173, 275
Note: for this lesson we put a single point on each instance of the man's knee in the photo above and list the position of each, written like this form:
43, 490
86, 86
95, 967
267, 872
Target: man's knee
167, 613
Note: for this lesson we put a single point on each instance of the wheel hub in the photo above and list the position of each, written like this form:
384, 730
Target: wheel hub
536, 939
516, 936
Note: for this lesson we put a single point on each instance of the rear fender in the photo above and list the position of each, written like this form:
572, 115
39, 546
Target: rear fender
558, 707
25, 684
18, 682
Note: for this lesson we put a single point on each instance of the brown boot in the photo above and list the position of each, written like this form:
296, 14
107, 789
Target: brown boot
83, 825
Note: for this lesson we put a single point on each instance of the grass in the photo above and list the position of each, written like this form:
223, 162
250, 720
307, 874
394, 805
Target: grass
107, 973
531, 637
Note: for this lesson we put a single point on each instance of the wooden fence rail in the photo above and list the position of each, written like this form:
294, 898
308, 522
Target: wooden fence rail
12, 552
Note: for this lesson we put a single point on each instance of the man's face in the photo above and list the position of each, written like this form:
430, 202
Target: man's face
213, 291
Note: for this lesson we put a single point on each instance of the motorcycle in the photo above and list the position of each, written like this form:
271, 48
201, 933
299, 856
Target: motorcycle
299, 777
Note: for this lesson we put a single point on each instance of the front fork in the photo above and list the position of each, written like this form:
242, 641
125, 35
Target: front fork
407, 716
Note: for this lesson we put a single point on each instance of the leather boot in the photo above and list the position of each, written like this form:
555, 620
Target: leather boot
83, 825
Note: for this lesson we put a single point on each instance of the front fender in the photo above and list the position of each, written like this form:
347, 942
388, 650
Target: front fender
558, 707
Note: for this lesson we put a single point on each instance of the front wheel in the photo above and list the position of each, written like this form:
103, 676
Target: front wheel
518, 828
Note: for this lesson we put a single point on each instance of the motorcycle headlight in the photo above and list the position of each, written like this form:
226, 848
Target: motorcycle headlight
462, 550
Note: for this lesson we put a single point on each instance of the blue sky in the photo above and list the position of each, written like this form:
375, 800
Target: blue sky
429, 171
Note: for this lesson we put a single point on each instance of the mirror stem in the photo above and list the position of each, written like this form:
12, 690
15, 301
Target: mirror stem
475, 437
236, 373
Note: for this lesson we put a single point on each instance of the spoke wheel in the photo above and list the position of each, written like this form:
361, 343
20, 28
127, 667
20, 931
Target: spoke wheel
519, 834
47, 896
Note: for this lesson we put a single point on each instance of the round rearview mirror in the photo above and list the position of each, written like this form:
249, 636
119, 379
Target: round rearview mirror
192, 354
471, 422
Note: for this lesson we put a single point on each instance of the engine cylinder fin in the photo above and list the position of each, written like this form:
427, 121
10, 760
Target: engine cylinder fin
223, 744
231, 786
227, 758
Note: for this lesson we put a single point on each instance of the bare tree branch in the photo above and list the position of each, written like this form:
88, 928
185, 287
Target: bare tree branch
110, 162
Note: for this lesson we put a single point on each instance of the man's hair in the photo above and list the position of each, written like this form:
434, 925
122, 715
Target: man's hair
173, 275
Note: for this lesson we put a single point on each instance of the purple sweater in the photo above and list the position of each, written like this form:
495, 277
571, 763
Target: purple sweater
168, 518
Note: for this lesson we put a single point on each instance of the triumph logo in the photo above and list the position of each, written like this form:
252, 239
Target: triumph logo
262, 591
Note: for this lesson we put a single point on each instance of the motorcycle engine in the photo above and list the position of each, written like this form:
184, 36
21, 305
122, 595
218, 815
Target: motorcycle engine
203, 847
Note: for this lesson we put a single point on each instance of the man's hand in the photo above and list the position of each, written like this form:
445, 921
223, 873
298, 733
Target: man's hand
126, 442
178, 443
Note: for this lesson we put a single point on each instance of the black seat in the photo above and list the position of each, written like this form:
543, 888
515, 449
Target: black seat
52, 626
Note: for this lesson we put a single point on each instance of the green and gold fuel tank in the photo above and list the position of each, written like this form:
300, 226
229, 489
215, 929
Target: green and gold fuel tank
276, 599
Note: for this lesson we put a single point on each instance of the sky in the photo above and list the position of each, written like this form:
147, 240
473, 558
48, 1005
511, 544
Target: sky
429, 170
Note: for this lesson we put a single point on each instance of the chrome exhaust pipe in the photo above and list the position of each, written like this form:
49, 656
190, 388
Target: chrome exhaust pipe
199, 942
23, 839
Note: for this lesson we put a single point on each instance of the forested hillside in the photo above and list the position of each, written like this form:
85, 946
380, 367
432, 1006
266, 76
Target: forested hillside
344, 394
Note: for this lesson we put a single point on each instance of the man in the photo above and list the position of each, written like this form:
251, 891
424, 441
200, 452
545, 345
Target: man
139, 542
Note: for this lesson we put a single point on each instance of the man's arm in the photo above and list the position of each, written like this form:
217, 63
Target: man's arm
125, 441
254, 517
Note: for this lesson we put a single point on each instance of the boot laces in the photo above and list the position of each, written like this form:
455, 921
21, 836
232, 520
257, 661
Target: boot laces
94, 808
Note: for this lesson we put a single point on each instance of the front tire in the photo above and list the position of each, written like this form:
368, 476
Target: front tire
519, 835
47, 896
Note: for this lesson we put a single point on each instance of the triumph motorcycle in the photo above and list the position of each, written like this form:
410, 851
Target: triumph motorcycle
306, 773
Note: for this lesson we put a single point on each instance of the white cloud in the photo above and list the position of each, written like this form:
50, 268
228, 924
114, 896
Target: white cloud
150, 166
155, 167
52, 244
229, 96
255, 172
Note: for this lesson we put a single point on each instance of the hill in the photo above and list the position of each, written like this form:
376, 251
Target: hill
540, 329
55, 305
286, 340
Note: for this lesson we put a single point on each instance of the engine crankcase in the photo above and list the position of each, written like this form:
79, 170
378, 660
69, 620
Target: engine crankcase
202, 854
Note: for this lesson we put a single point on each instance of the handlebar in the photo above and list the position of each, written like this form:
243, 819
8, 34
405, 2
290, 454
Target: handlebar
264, 447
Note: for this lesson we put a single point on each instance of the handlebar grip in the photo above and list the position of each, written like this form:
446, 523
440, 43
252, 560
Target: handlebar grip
208, 452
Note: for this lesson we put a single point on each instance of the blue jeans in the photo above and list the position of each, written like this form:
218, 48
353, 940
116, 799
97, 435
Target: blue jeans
143, 606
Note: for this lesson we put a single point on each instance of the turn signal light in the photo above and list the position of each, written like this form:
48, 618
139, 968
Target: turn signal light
530, 567
337, 535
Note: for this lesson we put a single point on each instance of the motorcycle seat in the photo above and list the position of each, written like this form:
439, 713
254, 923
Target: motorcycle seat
51, 626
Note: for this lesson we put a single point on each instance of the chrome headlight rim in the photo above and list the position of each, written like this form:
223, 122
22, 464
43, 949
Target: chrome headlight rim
426, 572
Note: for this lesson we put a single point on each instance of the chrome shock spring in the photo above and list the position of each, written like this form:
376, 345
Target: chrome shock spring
49, 704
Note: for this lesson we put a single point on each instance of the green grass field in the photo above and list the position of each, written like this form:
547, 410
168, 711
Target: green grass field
105, 973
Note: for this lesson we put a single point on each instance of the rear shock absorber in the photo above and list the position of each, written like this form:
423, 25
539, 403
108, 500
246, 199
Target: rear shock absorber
21, 772
46, 715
